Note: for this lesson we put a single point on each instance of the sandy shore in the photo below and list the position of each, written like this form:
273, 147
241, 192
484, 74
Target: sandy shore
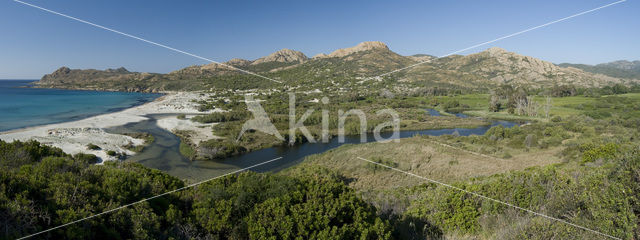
73, 137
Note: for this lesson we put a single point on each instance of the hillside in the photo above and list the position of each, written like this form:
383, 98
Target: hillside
112, 80
348, 68
497, 66
617, 69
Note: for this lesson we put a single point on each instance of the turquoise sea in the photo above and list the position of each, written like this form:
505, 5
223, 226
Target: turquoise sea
21, 106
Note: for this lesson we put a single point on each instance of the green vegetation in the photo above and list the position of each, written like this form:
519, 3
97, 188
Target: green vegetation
580, 165
148, 139
42, 187
187, 151
221, 117
410, 110
92, 146
575, 158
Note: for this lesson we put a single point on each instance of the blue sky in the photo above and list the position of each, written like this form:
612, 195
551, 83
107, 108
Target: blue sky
34, 42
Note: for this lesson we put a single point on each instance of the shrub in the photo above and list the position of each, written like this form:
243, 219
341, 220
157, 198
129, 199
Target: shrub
218, 148
111, 153
92, 146
187, 151
87, 158
606, 151
450, 105
220, 117
598, 114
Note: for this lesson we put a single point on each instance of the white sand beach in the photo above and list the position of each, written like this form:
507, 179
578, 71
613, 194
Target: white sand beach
73, 137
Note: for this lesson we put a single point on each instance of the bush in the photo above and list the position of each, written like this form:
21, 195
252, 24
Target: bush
92, 146
111, 153
220, 117
219, 148
598, 114
187, 151
181, 116
602, 152
87, 158
451, 104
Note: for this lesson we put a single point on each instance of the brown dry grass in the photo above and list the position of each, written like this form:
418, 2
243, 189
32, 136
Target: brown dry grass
422, 156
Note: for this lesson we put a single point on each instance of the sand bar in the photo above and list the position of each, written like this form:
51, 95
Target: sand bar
73, 137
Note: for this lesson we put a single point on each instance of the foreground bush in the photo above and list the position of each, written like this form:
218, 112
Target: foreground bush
41, 187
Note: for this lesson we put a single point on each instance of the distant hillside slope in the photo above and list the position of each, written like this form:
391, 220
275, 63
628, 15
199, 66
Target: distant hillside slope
346, 68
111, 80
618, 69
497, 66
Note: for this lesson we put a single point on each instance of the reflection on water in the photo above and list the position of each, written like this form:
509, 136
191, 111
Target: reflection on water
164, 153
433, 112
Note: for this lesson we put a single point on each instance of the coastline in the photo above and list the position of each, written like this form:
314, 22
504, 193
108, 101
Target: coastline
74, 136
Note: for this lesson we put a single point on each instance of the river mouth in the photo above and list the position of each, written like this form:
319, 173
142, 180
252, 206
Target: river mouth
164, 153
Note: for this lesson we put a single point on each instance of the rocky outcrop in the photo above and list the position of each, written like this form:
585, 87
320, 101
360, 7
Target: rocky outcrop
283, 56
361, 47
503, 67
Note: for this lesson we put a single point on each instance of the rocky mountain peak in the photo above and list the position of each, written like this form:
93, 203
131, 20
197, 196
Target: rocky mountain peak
494, 58
117, 70
284, 55
496, 51
363, 46
62, 70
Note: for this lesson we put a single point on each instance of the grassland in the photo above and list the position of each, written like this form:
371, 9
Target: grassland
422, 155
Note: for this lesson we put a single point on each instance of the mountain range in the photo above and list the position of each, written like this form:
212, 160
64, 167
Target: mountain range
353, 66
619, 69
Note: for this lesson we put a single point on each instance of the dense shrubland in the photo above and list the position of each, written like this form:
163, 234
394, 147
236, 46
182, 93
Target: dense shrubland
42, 187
